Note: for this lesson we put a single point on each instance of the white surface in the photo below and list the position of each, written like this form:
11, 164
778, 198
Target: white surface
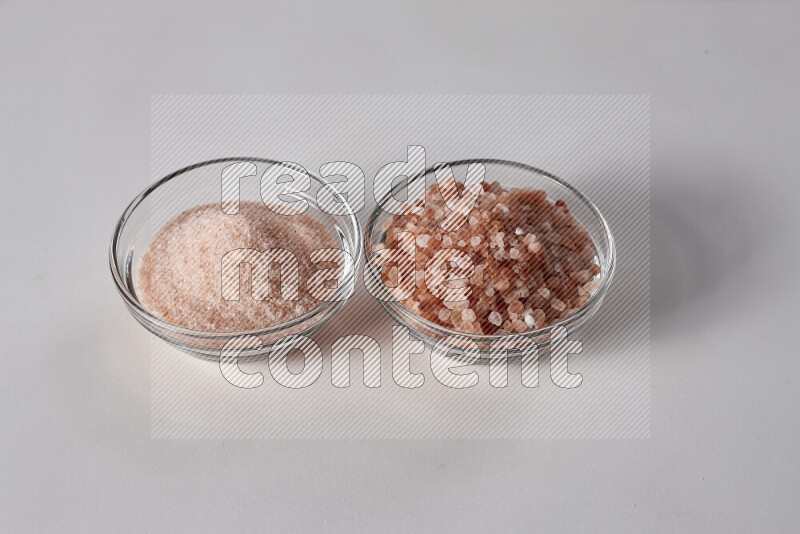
74, 146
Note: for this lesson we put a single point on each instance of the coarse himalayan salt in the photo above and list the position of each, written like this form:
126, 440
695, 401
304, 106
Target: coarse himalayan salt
534, 264
179, 279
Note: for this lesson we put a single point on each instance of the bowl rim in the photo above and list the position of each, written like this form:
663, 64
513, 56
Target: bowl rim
134, 304
592, 302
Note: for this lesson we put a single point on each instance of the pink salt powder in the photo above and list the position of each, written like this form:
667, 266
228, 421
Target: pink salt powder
179, 279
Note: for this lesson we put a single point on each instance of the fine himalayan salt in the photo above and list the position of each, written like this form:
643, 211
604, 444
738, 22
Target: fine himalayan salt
179, 279
534, 264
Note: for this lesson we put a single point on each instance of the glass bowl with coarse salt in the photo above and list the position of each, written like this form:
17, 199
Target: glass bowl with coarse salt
493, 265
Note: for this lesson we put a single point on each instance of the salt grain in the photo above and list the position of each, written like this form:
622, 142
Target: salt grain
544, 292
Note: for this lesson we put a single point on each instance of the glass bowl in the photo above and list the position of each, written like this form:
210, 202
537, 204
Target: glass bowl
200, 184
510, 175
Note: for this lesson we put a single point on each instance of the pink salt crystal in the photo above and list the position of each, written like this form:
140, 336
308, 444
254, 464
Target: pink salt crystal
179, 278
544, 292
495, 318
477, 277
475, 240
457, 305
515, 306
444, 315
461, 243
529, 321
422, 240
558, 305
513, 253
497, 239
534, 247
471, 327
393, 276
539, 316
592, 285
518, 326
468, 315
502, 284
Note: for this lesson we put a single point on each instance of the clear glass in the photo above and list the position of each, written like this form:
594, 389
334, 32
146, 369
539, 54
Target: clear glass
510, 175
201, 184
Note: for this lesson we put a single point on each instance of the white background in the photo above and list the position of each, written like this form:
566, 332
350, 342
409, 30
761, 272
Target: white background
75, 94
